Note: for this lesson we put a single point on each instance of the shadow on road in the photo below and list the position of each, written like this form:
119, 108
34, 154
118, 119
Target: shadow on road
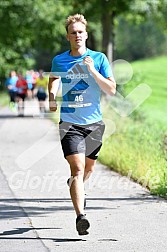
44, 238
23, 230
9, 208
58, 240
15, 116
14, 211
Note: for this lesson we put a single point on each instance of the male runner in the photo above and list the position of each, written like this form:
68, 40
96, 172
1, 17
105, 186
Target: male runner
84, 73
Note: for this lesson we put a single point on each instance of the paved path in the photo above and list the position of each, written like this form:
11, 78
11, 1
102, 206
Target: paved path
36, 212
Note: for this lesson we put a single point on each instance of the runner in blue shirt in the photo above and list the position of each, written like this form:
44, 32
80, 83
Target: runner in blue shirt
12, 89
84, 73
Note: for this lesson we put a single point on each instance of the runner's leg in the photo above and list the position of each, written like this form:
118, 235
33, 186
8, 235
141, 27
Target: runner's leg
77, 165
89, 168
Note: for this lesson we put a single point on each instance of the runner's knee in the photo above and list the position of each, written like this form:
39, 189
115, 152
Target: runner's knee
89, 169
77, 171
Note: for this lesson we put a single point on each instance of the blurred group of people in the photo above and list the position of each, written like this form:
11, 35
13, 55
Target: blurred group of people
33, 84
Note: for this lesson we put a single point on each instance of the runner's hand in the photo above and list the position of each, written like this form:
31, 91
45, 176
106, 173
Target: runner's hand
52, 106
89, 62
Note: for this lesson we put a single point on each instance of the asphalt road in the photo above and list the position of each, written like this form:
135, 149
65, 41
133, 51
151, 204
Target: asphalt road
36, 213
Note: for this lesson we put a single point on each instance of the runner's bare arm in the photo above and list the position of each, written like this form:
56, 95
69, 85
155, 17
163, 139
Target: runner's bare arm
52, 90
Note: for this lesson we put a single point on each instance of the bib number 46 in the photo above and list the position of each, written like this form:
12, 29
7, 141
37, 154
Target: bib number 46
78, 98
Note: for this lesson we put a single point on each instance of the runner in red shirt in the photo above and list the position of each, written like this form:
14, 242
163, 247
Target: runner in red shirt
21, 85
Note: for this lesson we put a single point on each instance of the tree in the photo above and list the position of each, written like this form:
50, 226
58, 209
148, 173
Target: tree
31, 32
136, 41
107, 11
103, 11
110, 10
27, 27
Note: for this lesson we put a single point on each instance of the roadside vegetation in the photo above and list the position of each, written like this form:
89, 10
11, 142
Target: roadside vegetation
138, 147
4, 98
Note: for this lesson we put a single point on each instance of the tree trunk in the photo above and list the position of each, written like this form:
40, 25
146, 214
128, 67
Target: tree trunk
108, 34
91, 42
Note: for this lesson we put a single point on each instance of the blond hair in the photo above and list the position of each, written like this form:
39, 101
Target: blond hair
75, 18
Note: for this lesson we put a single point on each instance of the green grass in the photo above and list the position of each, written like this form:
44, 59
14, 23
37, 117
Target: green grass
4, 98
153, 72
139, 145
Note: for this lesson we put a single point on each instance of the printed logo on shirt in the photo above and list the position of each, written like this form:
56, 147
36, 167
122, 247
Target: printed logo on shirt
76, 72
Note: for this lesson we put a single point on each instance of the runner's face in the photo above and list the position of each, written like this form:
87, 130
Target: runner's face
77, 35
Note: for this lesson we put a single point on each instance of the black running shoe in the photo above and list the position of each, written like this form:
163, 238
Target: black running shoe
82, 224
68, 182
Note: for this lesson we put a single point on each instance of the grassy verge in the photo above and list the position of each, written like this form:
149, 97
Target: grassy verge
138, 147
4, 98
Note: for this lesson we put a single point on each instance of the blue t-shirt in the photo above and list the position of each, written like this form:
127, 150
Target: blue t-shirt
12, 82
80, 92
29, 80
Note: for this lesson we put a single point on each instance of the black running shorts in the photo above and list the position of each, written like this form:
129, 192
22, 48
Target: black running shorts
85, 139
